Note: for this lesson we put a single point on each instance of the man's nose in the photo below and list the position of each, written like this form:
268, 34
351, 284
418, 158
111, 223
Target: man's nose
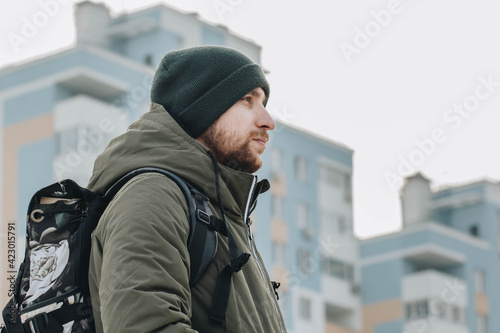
265, 120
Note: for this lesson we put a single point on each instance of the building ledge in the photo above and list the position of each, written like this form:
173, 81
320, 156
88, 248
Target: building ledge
435, 227
94, 84
431, 255
132, 27
456, 201
425, 251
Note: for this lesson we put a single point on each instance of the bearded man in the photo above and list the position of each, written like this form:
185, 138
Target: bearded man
208, 124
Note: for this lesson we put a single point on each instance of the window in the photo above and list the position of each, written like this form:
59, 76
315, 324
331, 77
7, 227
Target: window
434, 308
277, 167
342, 225
304, 261
283, 302
210, 36
330, 176
328, 226
347, 188
481, 323
336, 179
334, 224
277, 206
336, 268
302, 216
437, 308
474, 230
417, 310
301, 169
331, 313
82, 140
305, 308
422, 309
479, 281
279, 254
303, 220
457, 315
66, 141
148, 60
408, 311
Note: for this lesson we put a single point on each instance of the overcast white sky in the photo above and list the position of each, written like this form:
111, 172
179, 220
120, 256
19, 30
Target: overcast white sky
408, 85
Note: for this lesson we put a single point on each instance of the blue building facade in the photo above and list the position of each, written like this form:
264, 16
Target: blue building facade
441, 272
304, 227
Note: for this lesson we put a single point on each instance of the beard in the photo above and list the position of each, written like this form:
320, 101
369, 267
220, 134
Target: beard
232, 150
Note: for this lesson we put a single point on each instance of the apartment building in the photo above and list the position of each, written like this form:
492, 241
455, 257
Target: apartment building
304, 228
440, 273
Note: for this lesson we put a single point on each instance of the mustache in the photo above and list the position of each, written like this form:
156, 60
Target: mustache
260, 134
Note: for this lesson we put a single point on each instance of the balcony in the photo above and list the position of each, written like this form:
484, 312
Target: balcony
431, 284
429, 326
434, 302
339, 320
340, 293
83, 126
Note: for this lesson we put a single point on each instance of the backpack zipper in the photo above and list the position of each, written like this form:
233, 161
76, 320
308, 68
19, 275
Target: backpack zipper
49, 301
254, 254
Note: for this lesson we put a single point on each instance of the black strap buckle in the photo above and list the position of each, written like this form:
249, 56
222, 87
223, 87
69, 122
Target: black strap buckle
237, 264
36, 324
203, 216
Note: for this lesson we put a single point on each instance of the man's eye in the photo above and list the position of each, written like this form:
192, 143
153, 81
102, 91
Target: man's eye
247, 99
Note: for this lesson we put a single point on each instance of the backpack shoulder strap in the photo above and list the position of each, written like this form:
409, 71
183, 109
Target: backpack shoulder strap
202, 241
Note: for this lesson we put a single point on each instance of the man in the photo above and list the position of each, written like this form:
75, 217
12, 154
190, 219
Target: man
207, 124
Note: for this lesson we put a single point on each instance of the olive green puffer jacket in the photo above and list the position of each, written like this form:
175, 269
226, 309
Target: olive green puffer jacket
139, 263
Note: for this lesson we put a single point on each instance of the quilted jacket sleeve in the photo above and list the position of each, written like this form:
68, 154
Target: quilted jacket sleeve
140, 263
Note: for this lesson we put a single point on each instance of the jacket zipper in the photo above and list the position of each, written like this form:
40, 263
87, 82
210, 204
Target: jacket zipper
254, 254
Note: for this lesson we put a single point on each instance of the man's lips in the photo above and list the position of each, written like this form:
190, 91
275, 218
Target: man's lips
262, 140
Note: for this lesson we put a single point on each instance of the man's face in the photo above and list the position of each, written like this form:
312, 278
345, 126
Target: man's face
239, 136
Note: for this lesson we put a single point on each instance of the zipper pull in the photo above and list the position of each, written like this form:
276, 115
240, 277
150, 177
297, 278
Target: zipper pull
248, 228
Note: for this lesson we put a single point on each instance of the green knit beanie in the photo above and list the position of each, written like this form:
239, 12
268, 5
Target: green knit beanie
197, 85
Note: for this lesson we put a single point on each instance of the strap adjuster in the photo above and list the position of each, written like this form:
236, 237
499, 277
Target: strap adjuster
237, 264
203, 216
34, 322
